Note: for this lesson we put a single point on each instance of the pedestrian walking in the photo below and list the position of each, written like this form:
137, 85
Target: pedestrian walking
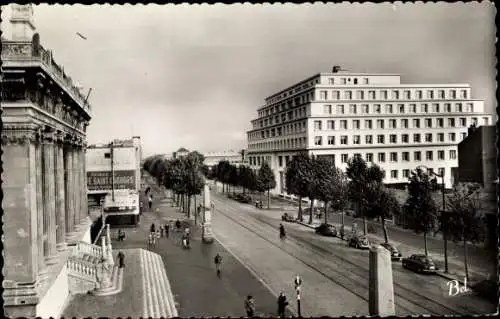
150, 199
152, 229
250, 306
150, 240
178, 225
121, 258
167, 230
282, 303
157, 237
161, 230
218, 261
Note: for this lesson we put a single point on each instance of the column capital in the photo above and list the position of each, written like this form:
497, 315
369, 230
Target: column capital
19, 134
59, 137
48, 137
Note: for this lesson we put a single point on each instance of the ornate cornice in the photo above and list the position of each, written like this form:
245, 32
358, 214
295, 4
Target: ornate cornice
20, 133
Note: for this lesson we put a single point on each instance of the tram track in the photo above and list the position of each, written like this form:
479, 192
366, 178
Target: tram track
352, 273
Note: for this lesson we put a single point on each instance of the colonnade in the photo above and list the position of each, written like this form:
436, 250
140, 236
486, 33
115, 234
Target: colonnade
61, 192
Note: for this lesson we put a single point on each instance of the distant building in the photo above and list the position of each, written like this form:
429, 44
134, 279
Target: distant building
233, 157
340, 115
117, 164
181, 152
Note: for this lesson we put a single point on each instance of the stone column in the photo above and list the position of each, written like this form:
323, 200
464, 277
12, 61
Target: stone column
74, 186
49, 196
60, 194
85, 210
68, 168
39, 205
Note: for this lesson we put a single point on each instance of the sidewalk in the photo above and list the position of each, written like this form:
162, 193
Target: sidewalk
127, 303
197, 289
455, 267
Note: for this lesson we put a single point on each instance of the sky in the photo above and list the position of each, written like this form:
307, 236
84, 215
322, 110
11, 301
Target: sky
193, 76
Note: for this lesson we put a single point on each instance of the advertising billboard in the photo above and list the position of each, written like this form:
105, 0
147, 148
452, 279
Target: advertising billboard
102, 180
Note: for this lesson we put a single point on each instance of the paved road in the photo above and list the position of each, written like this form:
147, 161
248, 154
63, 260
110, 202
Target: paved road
197, 290
334, 274
478, 258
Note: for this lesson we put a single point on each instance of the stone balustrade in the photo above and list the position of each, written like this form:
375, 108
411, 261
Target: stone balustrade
81, 268
25, 51
89, 249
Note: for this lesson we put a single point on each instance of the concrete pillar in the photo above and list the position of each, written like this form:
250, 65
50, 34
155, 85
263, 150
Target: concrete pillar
381, 290
39, 205
68, 165
60, 195
49, 197
84, 182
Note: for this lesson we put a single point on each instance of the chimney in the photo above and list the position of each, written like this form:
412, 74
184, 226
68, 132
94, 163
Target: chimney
336, 69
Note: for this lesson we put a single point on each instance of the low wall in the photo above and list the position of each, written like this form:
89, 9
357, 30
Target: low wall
52, 304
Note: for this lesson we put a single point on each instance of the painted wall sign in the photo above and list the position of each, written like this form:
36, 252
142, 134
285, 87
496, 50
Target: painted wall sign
103, 180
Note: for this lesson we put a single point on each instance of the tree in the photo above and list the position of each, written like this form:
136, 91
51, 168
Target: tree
381, 203
420, 207
360, 176
298, 175
467, 223
266, 180
325, 181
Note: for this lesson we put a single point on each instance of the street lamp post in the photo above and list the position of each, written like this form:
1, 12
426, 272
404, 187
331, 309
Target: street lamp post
444, 217
298, 283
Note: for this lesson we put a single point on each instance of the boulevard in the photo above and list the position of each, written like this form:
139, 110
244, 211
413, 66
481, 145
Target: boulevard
335, 276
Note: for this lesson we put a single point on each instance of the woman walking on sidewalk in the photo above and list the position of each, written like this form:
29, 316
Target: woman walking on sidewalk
218, 261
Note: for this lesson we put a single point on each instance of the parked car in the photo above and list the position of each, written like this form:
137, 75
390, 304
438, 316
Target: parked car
287, 218
326, 230
359, 242
420, 263
244, 198
395, 254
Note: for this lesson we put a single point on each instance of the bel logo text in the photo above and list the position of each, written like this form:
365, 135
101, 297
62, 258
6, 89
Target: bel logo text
454, 287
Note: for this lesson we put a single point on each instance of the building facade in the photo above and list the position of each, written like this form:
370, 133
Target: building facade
477, 163
233, 157
341, 114
115, 164
44, 117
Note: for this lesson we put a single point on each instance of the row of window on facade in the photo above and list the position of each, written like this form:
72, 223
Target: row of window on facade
293, 90
288, 143
403, 123
323, 95
397, 94
369, 109
298, 127
370, 157
401, 108
393, 139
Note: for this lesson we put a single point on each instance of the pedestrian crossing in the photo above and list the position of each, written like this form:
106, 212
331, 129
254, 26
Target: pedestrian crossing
157, 295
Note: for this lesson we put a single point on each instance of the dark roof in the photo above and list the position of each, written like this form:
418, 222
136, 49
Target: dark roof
182, 149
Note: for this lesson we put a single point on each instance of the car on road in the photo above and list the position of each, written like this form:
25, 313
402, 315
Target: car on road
359, 242
326, 230
287, 218
244, 198
420, 263
395, 254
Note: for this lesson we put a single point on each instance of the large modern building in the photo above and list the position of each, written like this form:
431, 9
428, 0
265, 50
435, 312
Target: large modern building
113, 166
44, 117
342, 114
233, 157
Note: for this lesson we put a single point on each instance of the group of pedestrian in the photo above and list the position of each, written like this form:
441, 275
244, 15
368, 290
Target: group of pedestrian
250, 305
155, 234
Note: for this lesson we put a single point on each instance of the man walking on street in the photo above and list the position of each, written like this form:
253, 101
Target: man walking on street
282, 303
121, 258
218, 261
250, 306
150, 199
167, 229
152, 229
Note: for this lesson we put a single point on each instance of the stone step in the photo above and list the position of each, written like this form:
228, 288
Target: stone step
116, 287
158, 296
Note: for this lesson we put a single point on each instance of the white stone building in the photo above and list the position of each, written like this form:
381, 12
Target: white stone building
233, 157
397, 126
